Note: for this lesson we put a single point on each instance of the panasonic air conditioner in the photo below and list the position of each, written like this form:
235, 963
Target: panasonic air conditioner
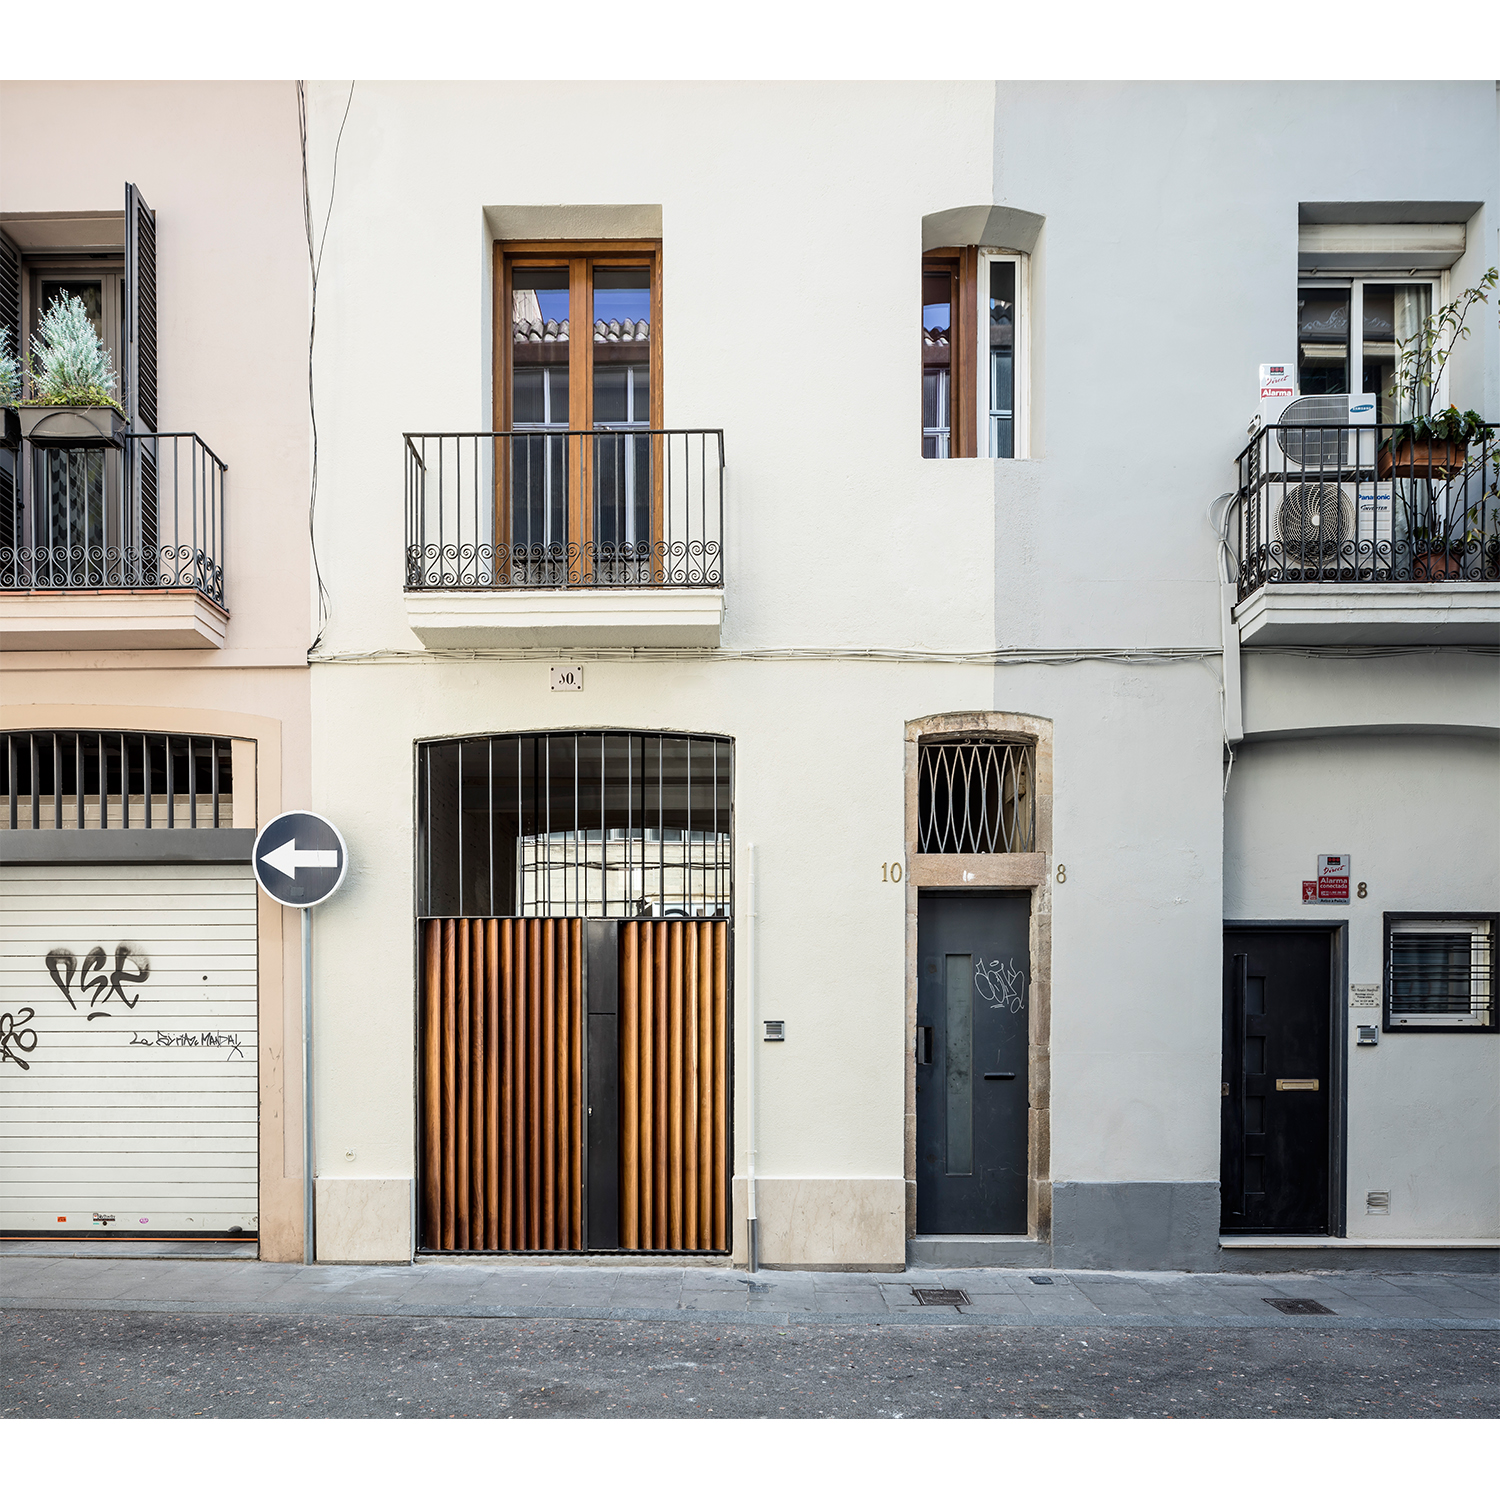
1306, 434
1318, 529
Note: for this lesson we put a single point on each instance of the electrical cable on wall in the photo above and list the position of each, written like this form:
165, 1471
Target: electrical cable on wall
315, 263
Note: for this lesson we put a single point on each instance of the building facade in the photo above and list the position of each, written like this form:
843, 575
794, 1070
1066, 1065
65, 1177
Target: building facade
858, 803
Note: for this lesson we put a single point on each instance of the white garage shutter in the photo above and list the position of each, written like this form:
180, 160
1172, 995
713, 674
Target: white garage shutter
128, 1050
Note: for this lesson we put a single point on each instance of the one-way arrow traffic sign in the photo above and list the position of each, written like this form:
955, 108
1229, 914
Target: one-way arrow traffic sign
300, 859
289, 858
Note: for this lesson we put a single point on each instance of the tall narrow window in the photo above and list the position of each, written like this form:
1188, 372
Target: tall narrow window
1323, 340
1001, 342
939, 340
578, 487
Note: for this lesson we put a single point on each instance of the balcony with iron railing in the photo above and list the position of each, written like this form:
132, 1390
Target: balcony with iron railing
114, 541
551, 537
1366, 535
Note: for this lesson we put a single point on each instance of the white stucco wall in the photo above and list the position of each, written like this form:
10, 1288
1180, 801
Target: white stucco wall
1418, 816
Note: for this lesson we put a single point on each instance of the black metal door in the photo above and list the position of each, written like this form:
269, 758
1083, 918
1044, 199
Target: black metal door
1274, 1160
973, 1002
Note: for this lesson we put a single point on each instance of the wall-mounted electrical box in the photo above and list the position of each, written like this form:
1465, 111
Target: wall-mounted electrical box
1369, 1036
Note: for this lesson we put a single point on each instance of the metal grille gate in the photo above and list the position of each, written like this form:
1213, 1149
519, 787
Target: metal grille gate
510, 1083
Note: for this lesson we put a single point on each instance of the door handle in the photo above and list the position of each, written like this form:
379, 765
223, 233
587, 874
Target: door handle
991, 1077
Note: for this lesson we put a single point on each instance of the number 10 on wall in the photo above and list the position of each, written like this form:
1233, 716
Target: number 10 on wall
890, 874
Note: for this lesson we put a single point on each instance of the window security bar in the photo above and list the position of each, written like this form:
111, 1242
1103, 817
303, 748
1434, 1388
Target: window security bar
1341, 503
72, 778
976, 796
1441, 973
146, 515
627, 507
599, 824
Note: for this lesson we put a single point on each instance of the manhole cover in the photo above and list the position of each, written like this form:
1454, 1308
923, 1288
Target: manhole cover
940, 1296
1299, 1305
1041, 1280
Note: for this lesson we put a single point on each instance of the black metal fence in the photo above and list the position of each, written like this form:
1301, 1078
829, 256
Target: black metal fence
148, 514
1365, 504
554, 509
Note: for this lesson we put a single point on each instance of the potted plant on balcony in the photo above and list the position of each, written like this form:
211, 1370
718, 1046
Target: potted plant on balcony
72, 402
1426, 443
10, 393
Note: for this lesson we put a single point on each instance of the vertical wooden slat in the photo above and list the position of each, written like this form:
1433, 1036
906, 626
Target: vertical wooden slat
630, 1088
705, 1002
520, 1136
575, 1164
432, 1134
659, 1145
534, 1088
449, 1083
721, 1075
492, 1085
647, 1065
507, 1085
690, 1084
674, 1086
561, 1008
549, 1084
464, 1064
478, 1094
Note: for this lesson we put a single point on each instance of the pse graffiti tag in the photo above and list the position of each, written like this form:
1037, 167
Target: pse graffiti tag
93, 982
13, 1036
1003, 985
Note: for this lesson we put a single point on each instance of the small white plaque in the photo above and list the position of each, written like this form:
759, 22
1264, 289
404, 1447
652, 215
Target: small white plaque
1364, 994
567, 679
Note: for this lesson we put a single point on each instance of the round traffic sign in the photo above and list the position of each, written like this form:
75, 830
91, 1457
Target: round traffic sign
300, 859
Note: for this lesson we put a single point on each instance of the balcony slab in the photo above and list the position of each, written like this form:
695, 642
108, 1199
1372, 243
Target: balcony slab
1377, 614
111, 620
566, 617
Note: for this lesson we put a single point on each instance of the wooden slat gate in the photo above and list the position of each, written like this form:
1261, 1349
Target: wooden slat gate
574, 1084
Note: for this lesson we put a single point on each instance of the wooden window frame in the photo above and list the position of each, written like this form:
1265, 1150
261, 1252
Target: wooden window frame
581, 257
961, 263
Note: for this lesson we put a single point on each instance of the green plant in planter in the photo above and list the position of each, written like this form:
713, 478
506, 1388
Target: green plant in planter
69, 364
1423, 358
10, 372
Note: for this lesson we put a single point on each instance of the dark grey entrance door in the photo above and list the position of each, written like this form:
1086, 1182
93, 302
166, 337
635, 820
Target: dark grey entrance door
973, 1005
1274, 1158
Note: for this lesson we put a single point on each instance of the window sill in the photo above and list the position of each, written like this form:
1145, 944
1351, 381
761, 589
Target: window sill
111, 620
566, 617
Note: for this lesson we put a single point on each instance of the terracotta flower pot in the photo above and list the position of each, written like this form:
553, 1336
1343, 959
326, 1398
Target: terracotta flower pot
1436, 567
1421, 457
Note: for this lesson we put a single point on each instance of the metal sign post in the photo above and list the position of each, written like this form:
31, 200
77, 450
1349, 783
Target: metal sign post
300, 859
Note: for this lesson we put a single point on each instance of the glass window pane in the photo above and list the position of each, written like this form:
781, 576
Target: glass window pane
958, 1062
1323, 341
937, 360
1002, 346
1393, 316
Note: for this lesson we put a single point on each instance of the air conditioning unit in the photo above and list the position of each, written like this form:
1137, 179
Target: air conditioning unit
1310, 435
1318, 529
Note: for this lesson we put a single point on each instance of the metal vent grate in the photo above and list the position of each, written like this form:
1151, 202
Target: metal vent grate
775, 1031
1322, 445
976, 796
940, 1296
87, 778
1300, 1307
1378, 1201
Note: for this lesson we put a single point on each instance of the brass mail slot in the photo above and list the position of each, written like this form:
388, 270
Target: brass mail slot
1283, 1084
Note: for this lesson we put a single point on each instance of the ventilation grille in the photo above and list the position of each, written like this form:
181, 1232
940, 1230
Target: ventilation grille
1323, 444
976, 796
108, 779
775, 1031
1378, 1201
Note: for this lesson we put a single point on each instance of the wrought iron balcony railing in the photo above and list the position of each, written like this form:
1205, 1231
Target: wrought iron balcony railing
1365, 504
148, 514
545, 509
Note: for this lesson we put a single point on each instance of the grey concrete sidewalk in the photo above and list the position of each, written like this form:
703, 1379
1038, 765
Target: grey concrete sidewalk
1038, 1298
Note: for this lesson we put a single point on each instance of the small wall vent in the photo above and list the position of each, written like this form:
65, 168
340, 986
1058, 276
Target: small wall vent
1378, 1201
775, 1031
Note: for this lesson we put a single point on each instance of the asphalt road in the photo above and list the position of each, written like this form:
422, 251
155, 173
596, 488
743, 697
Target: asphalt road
152, 1364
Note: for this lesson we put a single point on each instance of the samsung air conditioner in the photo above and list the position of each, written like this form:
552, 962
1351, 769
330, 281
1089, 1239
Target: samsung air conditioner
1306, 434
1313, 529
